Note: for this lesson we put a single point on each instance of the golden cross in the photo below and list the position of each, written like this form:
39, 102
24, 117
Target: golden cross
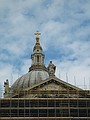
37, 33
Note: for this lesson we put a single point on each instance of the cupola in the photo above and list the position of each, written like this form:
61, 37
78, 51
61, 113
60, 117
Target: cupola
37, 56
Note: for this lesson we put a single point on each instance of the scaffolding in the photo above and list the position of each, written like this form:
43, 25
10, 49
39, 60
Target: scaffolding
47, 105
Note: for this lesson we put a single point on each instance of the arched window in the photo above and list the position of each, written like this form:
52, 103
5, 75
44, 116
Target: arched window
37, 58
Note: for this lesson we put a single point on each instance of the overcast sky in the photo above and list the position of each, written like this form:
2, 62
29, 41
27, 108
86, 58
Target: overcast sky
65, 38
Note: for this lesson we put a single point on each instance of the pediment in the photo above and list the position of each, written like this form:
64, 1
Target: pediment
52, 87
53, 83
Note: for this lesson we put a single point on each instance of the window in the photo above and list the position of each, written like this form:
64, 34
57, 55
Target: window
37, 58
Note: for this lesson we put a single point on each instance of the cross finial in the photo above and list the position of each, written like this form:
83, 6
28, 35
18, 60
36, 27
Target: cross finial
37, 33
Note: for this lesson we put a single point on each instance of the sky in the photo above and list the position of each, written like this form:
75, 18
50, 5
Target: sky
65, 38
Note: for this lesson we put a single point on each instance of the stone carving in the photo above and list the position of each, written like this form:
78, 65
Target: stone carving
6, 85
51, 68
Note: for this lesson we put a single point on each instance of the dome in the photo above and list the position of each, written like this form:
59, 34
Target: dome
37, 72
30, 79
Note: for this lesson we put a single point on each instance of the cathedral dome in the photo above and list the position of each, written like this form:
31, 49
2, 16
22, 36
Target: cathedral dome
37, 71
29, 79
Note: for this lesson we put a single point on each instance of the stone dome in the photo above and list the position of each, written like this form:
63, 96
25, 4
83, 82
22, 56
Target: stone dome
37, 71
29, 79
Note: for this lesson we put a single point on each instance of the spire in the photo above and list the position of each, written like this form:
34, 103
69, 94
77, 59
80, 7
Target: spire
37, 46
37, 56
37, 33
